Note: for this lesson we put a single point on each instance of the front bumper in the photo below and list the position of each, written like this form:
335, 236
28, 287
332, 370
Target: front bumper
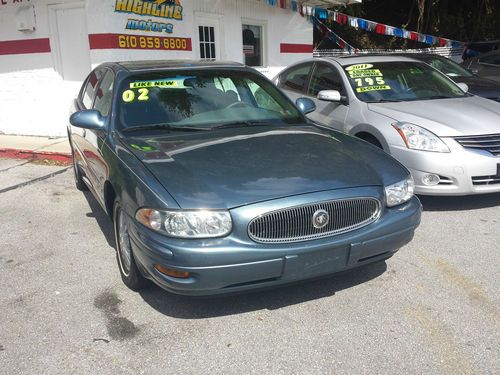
234, 264
461, 170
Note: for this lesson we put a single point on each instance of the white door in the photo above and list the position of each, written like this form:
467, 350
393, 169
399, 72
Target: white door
70, 41
208, 37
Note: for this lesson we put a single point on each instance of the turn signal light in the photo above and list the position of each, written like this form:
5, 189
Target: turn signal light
172, 273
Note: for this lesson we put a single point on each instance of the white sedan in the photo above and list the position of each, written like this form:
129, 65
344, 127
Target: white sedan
448, 138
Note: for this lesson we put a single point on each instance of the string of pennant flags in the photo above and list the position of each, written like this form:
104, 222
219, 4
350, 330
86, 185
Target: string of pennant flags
330, 35
317, 15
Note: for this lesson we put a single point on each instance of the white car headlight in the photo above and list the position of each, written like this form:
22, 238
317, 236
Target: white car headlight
418, 138
400, 192
187, 224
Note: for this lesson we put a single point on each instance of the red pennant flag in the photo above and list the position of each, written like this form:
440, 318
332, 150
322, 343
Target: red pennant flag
342, 19
413, 35
380, 29
442, 42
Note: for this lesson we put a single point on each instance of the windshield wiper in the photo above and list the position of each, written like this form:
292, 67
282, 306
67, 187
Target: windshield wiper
389, 101
237, 124
163, 127
439, 97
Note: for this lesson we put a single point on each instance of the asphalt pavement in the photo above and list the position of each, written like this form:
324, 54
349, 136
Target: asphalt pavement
433, 308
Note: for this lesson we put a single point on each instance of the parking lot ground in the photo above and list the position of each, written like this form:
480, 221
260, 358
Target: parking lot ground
433, 308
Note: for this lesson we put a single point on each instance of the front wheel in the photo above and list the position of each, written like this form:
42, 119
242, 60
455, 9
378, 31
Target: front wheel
129, 272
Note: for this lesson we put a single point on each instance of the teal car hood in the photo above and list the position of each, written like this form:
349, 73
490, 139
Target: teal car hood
228, 168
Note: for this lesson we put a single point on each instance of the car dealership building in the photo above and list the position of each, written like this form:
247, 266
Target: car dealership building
47, 47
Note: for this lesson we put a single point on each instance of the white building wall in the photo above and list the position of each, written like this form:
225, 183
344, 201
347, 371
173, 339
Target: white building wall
34, 98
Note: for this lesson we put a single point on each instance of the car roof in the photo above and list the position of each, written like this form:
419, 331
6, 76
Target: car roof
364, 59
148, 65
420, 55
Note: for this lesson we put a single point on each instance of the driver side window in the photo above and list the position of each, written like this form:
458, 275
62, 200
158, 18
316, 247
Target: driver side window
295, 79
87, 96
325, 77
104, 94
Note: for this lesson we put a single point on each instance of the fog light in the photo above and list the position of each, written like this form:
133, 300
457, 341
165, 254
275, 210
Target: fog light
172, 273
431, 179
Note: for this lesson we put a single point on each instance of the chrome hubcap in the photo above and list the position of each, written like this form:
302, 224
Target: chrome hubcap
124, 243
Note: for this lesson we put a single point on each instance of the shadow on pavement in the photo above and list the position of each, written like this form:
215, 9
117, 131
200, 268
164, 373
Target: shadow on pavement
470, 202
101, 217
184, 307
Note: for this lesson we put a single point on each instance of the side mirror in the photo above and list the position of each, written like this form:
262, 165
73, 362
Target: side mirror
331, 96
88, 119
463, 86
305, 105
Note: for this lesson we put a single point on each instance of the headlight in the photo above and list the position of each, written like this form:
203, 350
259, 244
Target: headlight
400, 192
187, 224
418, 138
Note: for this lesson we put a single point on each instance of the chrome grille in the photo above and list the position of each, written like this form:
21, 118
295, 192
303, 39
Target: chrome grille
295, 223
488, 142
486, 180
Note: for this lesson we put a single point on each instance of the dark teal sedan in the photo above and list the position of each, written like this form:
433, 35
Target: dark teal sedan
216, 182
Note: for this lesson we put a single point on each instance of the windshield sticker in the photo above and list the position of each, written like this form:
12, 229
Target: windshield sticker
373, 88
163, 83
367, 79
365, 73
129, 96
359, 67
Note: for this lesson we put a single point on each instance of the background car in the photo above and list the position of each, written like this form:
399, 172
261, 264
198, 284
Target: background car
217, 183
478, 86
486, 65
473, 49
448, 139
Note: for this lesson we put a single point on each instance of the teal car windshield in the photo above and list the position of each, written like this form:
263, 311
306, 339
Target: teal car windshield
199, 100
399, 81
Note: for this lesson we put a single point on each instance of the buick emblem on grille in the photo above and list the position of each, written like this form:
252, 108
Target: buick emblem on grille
320, 219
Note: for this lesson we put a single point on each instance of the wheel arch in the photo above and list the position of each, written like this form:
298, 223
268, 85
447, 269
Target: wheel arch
367, 130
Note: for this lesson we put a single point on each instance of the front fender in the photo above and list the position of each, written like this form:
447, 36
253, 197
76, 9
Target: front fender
134, 185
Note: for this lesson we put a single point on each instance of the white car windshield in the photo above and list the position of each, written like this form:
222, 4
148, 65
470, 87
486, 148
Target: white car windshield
399, 81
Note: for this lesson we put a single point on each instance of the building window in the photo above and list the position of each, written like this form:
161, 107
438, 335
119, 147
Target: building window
252, 45
207, 42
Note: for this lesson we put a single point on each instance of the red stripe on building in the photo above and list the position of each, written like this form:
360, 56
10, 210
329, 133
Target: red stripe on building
296, 48
17, 47
129, 41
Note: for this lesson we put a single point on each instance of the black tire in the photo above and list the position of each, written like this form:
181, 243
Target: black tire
129, 272
79, 183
